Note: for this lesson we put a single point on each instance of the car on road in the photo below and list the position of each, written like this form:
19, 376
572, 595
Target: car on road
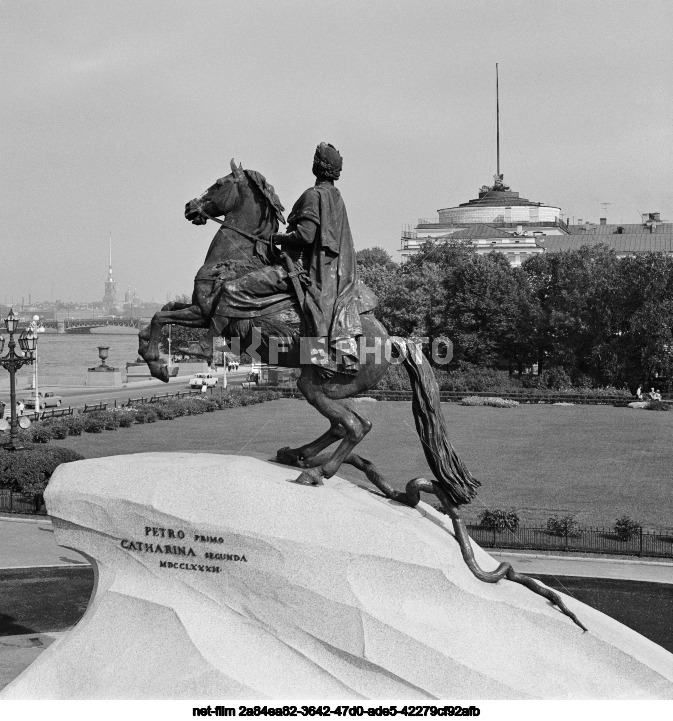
202, 379
47, 400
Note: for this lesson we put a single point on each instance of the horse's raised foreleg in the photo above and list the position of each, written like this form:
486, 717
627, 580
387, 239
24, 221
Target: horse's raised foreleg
148, 338
146, 335
189, 317
176, 305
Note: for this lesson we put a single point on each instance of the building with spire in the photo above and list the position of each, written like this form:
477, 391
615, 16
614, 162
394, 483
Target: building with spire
499, 219
110, 295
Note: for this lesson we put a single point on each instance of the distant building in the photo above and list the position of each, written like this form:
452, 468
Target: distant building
131, 297
651, 235
498, 220
110, 295
502, 221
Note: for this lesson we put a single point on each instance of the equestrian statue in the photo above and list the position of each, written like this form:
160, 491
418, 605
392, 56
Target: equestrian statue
296, 297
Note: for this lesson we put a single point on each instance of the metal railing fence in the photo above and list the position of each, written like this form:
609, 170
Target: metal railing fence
13, 502
582, 540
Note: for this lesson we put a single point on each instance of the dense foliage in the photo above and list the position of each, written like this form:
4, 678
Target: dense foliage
586, 318
30, 469
563, 526
468, 378
499, 520
626, 528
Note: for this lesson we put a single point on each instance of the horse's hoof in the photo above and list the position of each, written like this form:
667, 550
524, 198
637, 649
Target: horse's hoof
159, 370
288, 457
309, 477
285, 455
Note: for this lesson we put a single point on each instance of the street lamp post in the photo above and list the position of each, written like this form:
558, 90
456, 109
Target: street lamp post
12, 362
169, 349
36, 327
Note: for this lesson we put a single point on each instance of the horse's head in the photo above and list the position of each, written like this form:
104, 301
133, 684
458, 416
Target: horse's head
221, 198
243, 194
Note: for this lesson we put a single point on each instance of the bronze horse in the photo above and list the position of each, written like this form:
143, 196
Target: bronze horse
252, 212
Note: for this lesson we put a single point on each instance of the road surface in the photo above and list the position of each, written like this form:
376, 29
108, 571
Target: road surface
78, 397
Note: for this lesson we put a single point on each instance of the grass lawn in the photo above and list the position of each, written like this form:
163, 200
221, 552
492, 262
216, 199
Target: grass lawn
597, 462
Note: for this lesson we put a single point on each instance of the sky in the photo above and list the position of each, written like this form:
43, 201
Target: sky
115, 113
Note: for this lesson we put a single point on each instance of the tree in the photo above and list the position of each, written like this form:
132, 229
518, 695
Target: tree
516, 319
645, 339
605, 319
374, 257
411, 304
479, 301
578, 318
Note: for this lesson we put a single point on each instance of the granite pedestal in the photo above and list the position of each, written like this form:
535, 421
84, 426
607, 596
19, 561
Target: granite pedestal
216, 578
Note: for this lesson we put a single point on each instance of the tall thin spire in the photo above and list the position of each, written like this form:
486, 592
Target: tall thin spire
497, 116
498, 181
110, 296
110, 266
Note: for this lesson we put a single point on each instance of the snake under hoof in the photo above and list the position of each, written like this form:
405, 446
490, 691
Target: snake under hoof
504, 570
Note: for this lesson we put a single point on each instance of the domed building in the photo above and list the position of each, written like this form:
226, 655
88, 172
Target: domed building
498, 204
499, 219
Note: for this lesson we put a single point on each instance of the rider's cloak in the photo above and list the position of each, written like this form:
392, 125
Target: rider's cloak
335, 297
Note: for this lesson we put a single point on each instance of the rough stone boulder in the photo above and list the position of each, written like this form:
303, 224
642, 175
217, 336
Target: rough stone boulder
216, 578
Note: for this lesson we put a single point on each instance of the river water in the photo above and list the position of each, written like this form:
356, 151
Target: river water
70, 355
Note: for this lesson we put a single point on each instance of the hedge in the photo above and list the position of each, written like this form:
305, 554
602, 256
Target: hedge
29, 470
163, 409
489, 380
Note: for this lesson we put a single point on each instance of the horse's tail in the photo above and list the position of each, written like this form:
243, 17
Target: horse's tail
450, 471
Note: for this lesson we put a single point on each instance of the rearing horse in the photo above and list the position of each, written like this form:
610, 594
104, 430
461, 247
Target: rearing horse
252, 212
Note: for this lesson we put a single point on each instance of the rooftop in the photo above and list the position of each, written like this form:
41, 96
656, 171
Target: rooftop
640, 242
498, 194
492, 197
660, 228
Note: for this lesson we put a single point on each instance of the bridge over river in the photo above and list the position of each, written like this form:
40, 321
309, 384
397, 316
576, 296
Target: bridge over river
84, 325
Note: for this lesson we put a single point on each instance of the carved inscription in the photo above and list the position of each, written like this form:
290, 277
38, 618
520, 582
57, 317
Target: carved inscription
218, 556
225, 557
189, 567
156, 548
175, 549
